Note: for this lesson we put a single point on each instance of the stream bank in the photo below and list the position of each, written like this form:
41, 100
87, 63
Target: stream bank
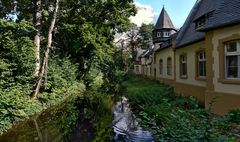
83, 118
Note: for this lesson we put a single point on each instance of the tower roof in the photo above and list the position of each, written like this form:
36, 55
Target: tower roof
164, 21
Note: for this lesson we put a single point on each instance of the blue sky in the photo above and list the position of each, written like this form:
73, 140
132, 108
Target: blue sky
178, 10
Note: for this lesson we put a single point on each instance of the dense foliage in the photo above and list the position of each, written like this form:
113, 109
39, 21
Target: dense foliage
17, 53
17, 80
53, 125
86, 34
175, 118
146, 34
73, 46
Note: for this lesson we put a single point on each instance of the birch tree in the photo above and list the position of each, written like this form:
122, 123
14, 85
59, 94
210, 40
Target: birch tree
44, 66
37, 37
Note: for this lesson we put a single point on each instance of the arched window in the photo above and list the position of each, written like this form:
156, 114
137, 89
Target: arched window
201, 67
183, 66
137, 69
160, 66
169, 66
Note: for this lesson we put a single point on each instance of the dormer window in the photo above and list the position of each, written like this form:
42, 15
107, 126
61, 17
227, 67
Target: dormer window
200, 22
203, 19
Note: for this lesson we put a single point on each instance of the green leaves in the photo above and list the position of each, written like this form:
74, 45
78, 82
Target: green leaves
17, 53
87, 31
82, 48
12, 104
146, 34
175, 118
17, 58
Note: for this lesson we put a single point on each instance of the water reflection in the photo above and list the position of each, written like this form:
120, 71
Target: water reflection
64, 123
53, 125
125, 125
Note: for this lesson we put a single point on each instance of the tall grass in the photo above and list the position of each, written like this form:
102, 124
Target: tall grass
172, 117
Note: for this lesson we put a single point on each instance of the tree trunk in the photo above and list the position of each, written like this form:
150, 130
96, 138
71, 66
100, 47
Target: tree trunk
37, 40
45, 74
44, 67
49, 43
40, 136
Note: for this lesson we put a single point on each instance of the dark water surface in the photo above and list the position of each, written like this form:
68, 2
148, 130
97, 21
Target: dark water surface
61, 123
65, 123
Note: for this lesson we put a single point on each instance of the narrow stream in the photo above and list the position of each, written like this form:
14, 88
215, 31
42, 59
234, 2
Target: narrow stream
63, 123
53, 125
125, 125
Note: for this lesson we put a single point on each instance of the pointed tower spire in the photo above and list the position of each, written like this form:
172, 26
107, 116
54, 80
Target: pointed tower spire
164, 20
164, 28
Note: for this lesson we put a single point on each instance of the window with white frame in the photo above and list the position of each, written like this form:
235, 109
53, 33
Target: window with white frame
202, 64
159, 34
169, 66
232, 60
160, 66
166, 34
183, 66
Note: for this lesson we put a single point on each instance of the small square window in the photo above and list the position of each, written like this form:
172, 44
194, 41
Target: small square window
166, 34
231, 47
200, 22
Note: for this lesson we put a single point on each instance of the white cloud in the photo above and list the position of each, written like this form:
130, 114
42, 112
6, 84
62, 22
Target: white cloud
145, 14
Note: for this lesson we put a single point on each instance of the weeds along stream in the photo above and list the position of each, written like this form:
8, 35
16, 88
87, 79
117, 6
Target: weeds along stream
171, 117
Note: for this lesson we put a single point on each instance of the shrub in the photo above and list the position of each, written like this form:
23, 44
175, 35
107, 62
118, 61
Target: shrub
234, 115
171, 117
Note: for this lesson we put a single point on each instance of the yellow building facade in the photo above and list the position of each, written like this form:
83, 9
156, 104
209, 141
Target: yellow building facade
190, 84
203, 58
223, 89
165, 66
